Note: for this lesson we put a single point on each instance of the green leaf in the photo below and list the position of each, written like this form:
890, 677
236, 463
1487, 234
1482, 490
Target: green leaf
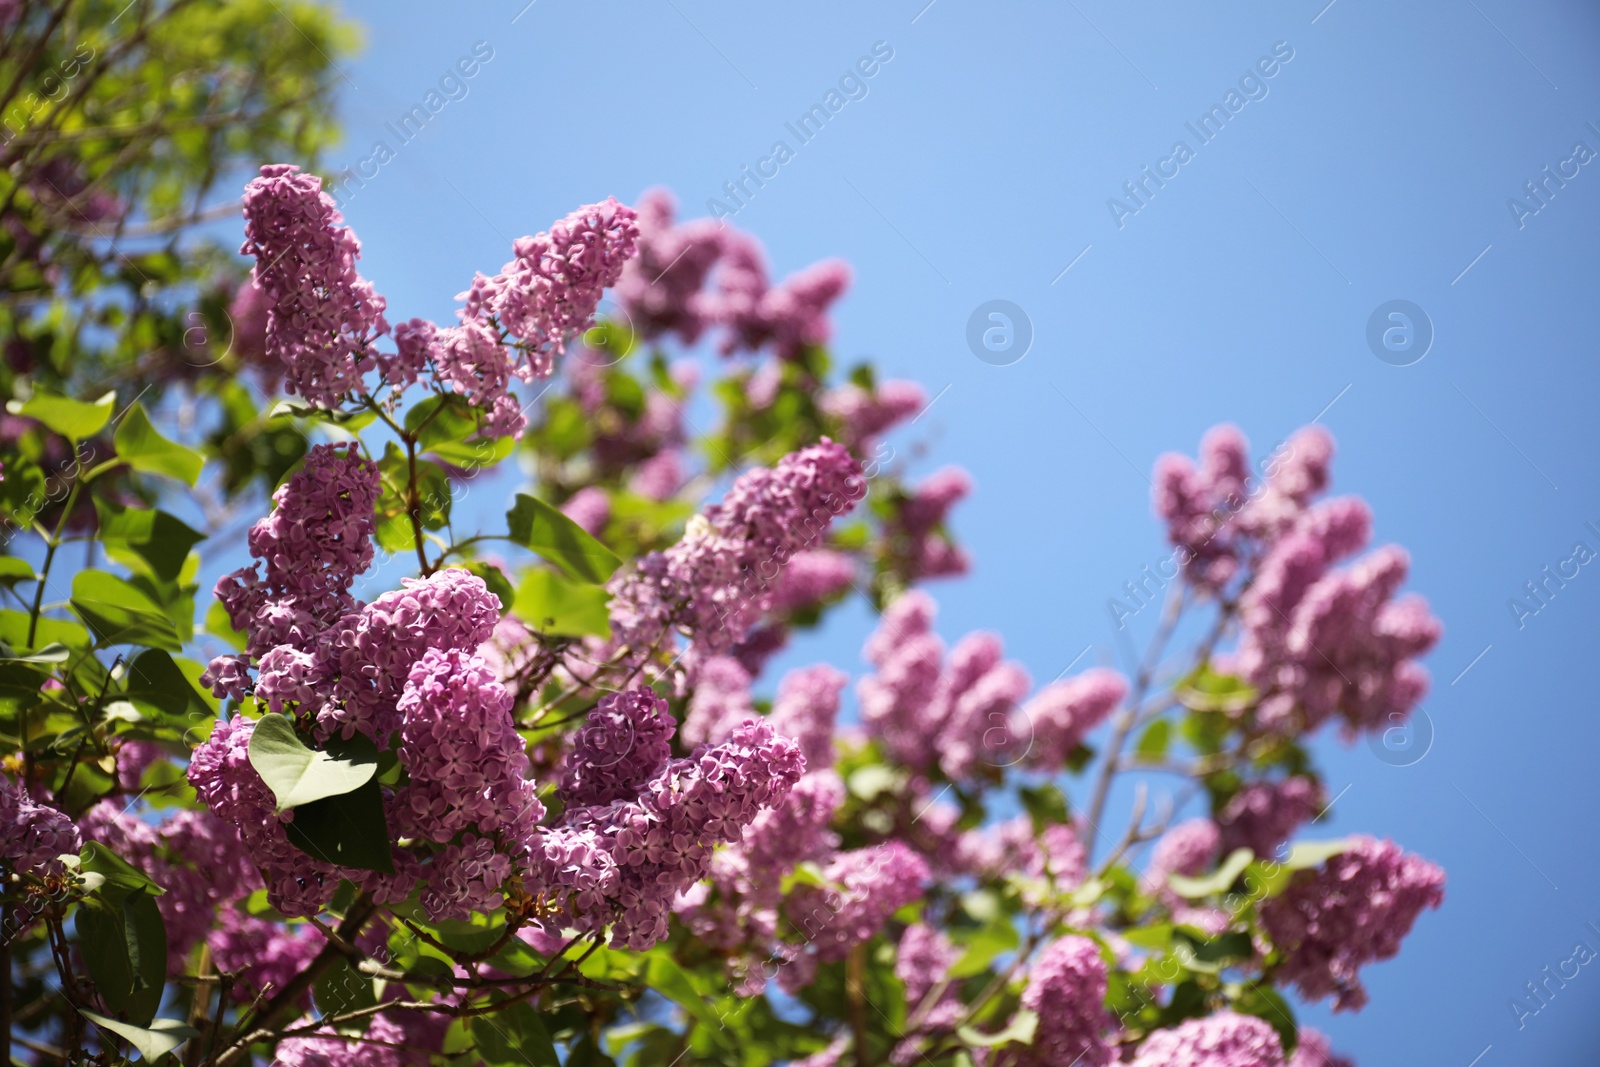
146, 541
515, 1037
153, 1041
1046, 804
1306, 854
118, 613
69, 418
1217, 881
156, 684
536, 525
1269, 1006
124, 943
663, 975
144, 449
983, 948
1020, 1032
118, 873
299, 775
1153, 743
14, 631
552, 605
219, 625
53, 653
446, 426
14, 570
496, 580
347, 830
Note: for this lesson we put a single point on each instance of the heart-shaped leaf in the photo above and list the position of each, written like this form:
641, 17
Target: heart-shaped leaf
299, 775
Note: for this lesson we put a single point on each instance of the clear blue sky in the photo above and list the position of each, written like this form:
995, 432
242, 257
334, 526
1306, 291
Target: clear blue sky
1377, 166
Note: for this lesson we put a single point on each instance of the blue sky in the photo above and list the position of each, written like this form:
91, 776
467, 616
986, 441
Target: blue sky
1374, 165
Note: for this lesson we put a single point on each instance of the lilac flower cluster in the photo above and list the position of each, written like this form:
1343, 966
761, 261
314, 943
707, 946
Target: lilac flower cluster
714, 584
868, 415
1055, 855
220, 772
917, 526
625, 741
662, 287
322, 318
969, 713
1263, 815
790, 317
1218, 515
866, 886
1316, 641
1226, 1039
622, 863
323, 321
811, 578
1351, 911
311, 547
1067, 990
721, 701
463, 756
551, 287
32, 834
1058, 717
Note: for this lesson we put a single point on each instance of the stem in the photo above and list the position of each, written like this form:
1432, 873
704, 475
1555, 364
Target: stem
855, 970
414, 506
51, 544
1129, 715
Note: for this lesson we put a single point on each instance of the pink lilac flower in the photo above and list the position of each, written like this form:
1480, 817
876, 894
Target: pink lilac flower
872, 884
311, 547
662, 287
323, 318
805, 709
919, 518
716, 582
922, 962
896, 700
867, 415
373, 650
1351, 911
248, 312
720, 702
1226, 1039
1263, 815
32, 833
550, 289
194, 856
1218, 516
1058, 717
465, 878
265, 955
979, 699
590, 508
790, 317
812, 578
624, 743
622, 864
468, 359
1314, 1050
1055, 856
660, 476
463, 756
324, 1048
1067, 990
1189, 848
222, 777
